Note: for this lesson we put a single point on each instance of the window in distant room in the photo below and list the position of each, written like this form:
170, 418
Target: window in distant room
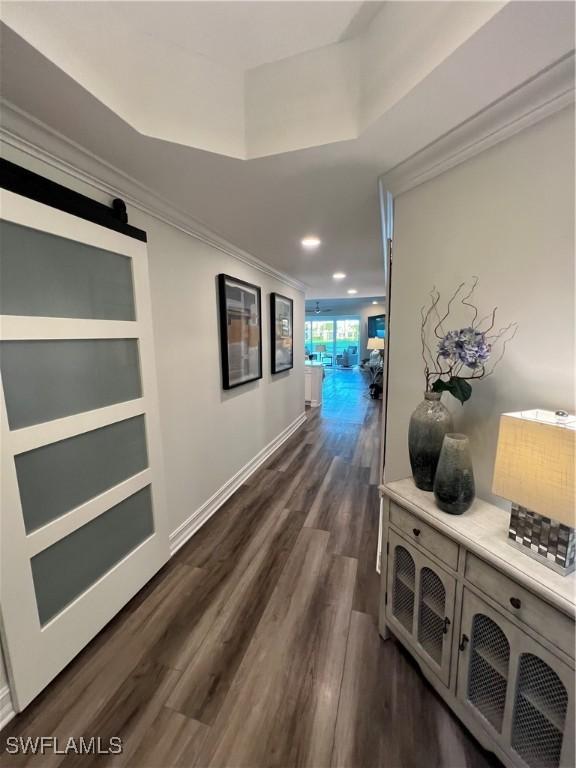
335, 341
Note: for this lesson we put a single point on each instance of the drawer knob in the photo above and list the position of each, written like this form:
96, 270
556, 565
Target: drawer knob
416, 531
463, 642
515, 602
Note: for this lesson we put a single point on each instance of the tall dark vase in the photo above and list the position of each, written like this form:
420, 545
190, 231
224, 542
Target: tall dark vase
428, 424
454, 482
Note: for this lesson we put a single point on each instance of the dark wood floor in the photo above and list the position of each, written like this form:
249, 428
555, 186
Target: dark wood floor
257, 644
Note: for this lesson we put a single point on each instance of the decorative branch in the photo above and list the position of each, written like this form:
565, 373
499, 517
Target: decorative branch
465, 302
461, 355
425, 316
485, 319
493, 320
452, 298
512, 326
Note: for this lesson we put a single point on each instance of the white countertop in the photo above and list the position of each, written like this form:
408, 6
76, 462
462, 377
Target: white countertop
483, 529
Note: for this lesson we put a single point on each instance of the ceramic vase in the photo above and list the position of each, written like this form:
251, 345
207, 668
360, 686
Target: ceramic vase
454, 482
428, 424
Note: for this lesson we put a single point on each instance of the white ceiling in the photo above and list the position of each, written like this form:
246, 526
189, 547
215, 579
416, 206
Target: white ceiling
266, 204
241, 34
199, 92
351, 306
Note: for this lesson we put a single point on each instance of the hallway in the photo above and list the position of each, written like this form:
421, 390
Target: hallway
220, 223
257, 644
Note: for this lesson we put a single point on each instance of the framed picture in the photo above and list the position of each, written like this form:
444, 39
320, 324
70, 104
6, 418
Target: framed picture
377, 326
282, 325
240, 331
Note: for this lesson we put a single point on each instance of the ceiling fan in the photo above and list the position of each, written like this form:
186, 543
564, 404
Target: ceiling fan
318, 311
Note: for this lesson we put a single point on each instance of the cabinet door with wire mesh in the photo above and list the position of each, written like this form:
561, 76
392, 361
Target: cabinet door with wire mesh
519, 691
485, 668
401, 598
435, 617
420, 604
542, 716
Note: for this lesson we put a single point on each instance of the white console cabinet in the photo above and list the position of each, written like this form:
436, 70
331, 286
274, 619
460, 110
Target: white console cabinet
492, 629
313, 378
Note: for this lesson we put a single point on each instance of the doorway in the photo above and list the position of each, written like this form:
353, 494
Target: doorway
338, 353
335, 342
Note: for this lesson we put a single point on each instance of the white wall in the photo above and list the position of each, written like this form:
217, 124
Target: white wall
506, 215
208, 435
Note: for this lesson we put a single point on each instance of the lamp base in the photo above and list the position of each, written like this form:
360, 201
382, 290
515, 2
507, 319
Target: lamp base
547, 541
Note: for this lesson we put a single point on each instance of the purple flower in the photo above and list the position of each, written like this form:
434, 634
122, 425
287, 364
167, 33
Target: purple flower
466, 346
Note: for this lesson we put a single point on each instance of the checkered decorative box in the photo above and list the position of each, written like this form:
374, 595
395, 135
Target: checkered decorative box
551, 543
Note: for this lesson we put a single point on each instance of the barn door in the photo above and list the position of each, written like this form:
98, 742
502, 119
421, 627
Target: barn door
83, 524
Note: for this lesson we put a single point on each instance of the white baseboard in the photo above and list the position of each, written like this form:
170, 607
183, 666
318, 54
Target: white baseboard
197, 519
6, 708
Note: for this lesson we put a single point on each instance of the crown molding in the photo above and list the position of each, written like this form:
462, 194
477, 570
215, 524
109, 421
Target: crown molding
35, 139
548, 92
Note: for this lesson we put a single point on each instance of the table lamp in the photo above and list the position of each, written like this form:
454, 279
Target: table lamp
375, 344
320, 349
535, 471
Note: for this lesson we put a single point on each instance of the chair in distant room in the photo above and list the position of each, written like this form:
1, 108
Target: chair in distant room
348, 358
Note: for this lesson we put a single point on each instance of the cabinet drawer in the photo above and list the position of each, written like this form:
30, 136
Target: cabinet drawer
445, 549
521, 603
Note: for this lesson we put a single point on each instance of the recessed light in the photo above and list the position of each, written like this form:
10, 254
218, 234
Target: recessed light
352, 290
339, 275
310, 242
374, 302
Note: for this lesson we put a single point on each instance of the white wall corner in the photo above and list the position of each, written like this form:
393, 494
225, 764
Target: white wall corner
201, 515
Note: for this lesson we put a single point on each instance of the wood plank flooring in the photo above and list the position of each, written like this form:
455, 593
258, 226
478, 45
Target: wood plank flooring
256, 645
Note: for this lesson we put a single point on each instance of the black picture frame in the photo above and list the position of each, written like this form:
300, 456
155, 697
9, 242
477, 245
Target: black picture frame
277, 342
233, 358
